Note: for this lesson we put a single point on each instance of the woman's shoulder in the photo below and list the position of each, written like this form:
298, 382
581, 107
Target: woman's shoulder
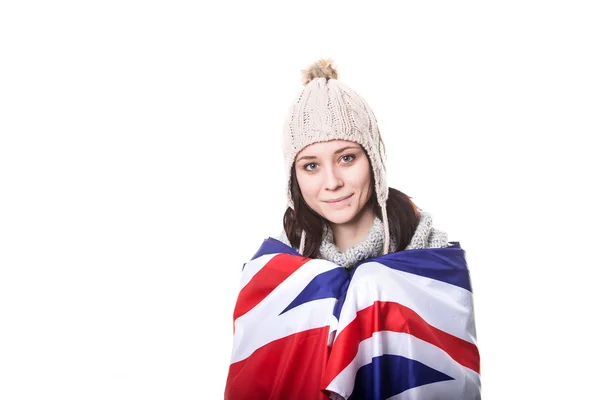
282, 237
426, 236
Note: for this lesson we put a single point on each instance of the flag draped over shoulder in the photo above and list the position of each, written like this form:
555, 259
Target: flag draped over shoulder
400, 326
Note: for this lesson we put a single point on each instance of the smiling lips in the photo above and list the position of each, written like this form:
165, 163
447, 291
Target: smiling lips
339, 200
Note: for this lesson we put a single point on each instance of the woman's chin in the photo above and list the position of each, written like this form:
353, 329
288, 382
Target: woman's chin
340, 216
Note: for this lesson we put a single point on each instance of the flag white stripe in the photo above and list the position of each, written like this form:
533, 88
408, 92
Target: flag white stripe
438, 391
263, 324
442, 305
252, 267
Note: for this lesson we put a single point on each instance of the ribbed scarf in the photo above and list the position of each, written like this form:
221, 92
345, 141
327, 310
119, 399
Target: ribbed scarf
425, 236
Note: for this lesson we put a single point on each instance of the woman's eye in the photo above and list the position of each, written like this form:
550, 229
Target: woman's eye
310, 167
347, 158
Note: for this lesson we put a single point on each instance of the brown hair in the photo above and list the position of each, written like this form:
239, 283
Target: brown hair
403, 217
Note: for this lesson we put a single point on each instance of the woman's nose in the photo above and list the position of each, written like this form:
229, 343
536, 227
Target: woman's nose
332, 179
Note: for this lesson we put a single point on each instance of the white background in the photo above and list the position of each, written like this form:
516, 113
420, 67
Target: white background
140, 167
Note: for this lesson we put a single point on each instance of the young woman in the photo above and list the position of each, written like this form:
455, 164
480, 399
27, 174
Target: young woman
336, 307
340, 207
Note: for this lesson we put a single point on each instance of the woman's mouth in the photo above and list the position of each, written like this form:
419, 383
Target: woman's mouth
339, 201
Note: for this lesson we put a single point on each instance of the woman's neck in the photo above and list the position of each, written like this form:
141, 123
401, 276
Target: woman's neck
354, 231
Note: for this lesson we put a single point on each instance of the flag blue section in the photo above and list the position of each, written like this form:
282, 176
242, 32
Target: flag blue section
389, 375
274, 246
325, 285
446, 264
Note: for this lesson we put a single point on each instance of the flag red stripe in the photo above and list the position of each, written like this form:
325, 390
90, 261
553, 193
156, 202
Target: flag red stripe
289, 368
390, 316
277, 270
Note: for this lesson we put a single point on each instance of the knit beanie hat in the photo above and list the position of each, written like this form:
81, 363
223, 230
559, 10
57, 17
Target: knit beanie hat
328, 110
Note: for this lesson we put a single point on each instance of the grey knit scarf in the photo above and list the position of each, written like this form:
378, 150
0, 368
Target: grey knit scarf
426, 236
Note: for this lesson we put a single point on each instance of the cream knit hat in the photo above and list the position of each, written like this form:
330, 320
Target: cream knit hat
328, 110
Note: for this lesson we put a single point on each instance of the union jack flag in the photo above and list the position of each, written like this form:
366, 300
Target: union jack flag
399, 326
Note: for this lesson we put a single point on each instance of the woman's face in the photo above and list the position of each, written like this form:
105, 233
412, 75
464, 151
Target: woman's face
334, 179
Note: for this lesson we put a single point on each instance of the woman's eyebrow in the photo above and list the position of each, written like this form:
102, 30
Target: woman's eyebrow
344, 149
335, 152
307, 157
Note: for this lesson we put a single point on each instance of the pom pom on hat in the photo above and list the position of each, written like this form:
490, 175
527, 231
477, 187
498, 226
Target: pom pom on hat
320, 69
